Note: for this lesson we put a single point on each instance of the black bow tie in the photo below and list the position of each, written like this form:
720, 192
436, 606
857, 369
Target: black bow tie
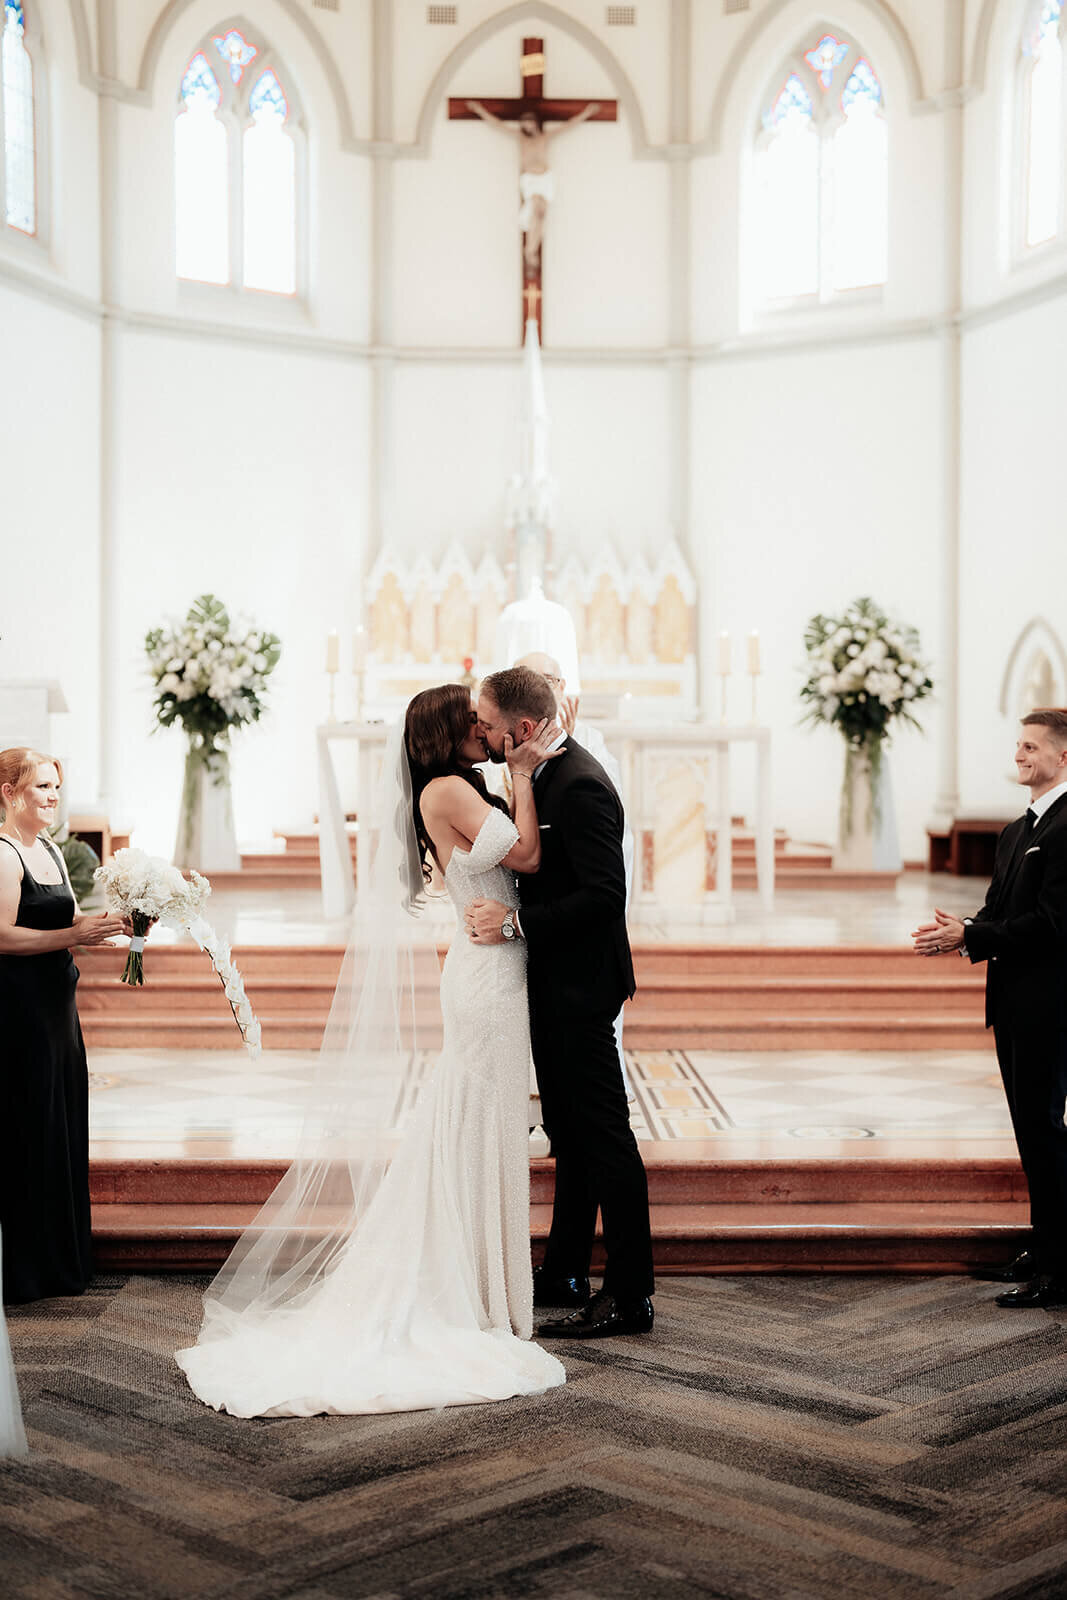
1031, 819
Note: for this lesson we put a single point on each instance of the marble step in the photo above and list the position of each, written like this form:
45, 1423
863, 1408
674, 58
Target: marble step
711, 996
679, 1173
689, 1237
652, 959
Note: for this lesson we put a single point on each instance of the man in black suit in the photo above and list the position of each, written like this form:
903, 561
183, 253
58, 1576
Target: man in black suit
1021, 931
579, 972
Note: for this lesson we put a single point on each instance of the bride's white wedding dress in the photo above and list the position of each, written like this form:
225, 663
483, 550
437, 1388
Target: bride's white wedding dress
430, 1303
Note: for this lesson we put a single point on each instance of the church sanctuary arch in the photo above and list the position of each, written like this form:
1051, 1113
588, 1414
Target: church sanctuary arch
171, 15
83, 50
1038, 644
776, 30
527, 15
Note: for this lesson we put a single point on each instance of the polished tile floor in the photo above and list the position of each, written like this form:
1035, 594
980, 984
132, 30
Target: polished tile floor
172, 1103
799, 916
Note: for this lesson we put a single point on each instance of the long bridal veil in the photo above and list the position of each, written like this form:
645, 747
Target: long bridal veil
384, 1020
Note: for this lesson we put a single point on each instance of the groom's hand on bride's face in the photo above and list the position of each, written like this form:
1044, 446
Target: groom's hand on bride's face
484, 919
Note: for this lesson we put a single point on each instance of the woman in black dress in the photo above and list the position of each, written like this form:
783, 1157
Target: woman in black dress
44, 1089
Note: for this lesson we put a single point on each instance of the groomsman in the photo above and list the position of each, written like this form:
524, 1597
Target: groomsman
1021, 932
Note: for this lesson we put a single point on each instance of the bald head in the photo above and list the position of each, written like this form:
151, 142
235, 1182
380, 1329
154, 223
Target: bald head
549, 668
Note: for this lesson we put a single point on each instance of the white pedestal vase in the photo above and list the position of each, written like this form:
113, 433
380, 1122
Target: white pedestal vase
207, 839
868, 840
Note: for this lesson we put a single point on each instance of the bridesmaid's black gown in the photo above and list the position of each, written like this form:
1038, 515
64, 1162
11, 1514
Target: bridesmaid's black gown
44, 1108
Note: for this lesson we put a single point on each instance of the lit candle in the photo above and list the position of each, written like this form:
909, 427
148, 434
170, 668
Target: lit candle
359, 650
333, 652
724, 655
753, 653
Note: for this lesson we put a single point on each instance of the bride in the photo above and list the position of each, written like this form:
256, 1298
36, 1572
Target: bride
390, 1269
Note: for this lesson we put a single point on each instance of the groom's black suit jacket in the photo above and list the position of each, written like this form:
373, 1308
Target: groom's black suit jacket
574, 907
1021, 931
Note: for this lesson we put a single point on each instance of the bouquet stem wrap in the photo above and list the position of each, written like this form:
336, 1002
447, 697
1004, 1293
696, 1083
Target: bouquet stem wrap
133, 971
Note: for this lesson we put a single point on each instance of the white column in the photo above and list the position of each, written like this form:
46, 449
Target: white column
946, 806
107, 647
678, 362
380, 454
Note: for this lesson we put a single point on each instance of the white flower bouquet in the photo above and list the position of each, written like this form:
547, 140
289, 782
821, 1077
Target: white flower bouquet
148, 889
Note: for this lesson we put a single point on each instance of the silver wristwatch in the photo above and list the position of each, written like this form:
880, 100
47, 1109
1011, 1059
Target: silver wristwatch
507, 927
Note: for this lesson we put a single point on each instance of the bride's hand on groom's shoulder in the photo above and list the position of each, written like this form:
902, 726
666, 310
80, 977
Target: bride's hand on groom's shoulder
526, 758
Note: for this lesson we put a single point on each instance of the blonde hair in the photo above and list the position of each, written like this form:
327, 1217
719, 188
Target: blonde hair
18, 767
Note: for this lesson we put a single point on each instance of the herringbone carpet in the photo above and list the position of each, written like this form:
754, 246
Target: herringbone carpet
777, 1438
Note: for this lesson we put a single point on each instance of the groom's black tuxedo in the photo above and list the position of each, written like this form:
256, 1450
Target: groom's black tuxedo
573, 917
1021, 932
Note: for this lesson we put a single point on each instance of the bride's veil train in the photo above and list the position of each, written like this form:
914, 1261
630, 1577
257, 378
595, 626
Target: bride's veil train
385, 1016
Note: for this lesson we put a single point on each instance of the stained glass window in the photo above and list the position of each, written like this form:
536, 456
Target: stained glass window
269, 192
819, 215
826, 57
20, 155
201, 179
236, 207
236, 51
793, 102
1043, 46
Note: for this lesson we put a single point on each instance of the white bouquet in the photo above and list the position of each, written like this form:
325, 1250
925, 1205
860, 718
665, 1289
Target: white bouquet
863, 673
148, 889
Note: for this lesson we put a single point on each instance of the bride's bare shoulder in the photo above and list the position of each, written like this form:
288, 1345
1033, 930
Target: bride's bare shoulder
442, 795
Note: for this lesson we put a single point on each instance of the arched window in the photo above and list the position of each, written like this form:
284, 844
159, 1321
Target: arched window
18, 122
1041, 104
818, 218
236, 147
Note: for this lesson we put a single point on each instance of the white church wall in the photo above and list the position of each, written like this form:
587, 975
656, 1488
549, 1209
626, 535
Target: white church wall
459, 423
244, 472
49, 515
337, 215
816, 479
1014, 552
456, 235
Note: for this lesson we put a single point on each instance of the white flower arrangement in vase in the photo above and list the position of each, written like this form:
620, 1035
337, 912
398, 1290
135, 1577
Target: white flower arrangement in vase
864, 673
210, 675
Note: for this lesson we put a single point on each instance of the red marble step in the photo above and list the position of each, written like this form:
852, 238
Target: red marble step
698, 994
686, 1238
650, 959
681, 1172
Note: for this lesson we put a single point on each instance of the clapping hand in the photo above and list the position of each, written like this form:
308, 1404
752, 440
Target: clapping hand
524, 759
944, 934
568, 711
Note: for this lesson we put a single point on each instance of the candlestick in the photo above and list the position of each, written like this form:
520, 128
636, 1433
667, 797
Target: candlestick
359, 649
724, 655
333, 652
753, 653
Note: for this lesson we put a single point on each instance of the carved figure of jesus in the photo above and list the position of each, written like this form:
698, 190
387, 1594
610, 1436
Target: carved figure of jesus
536, 183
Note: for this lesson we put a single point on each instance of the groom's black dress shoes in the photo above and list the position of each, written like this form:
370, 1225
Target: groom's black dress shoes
1044, 1291
550, 1291
1022, 1270
603, 1316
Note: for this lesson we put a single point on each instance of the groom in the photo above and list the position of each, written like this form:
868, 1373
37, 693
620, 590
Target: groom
579, 972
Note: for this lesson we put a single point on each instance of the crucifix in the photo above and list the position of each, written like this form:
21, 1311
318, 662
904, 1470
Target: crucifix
536, 183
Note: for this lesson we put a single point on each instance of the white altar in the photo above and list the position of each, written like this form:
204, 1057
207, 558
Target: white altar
684, 834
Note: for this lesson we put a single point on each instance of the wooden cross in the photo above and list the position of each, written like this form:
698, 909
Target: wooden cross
533, 99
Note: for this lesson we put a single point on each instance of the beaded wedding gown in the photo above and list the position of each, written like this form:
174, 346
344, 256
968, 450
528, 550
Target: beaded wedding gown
430, 1301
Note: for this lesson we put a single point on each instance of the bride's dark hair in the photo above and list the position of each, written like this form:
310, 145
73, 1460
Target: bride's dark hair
437, 723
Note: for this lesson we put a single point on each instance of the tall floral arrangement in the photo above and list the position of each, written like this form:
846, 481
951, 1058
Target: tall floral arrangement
865, 673
211, 676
